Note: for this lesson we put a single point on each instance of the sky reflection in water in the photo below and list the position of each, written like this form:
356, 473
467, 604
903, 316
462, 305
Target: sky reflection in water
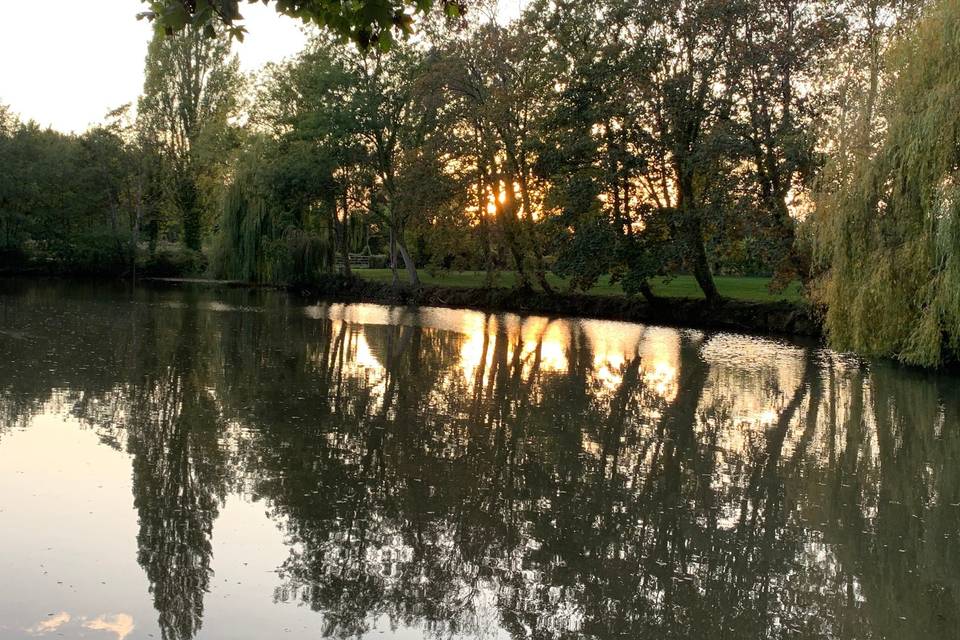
233, 464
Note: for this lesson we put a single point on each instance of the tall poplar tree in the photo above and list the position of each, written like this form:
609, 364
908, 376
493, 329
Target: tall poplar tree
190, 91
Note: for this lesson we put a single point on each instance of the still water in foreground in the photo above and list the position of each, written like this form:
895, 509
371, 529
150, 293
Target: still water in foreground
231, 464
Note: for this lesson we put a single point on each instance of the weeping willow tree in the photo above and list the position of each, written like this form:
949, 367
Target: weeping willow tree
239, 252
255, 244
889, 234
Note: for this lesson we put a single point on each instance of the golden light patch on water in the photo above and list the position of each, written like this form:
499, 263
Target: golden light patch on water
752, 382
590, 447
537, 342
455, 320
614, 345
473, 355
610, 377
613, 340
767, 417
751, 378
359, 313
546, 341
120, 625
663, 380
50, 624
660, 358
361, 355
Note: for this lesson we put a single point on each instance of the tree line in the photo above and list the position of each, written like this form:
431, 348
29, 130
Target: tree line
804, 140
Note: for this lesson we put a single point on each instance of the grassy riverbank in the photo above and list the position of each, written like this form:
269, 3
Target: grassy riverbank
734, 287
768, 316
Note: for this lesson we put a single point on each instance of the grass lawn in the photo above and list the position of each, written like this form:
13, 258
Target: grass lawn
741, 288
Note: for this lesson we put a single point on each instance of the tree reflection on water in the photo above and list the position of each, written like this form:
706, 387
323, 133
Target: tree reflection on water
463, 472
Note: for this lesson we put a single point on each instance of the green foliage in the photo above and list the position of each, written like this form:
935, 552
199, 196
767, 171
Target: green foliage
588, 255
367, 22
191, 90
360, 153
240, 253
257, 241
68, 202
616, 145
687, 127
172, 260
888, 229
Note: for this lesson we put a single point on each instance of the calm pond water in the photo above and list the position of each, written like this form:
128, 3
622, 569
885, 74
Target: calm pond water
230, 464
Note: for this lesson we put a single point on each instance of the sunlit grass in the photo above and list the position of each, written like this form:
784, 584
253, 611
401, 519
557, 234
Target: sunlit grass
683, 286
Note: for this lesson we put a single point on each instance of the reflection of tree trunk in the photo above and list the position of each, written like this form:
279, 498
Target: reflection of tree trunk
853, 427
505, 377
482, 365
681, 416
617, 420
762, 510
899, 553
179, 479
815, 398
777, 435
674, 457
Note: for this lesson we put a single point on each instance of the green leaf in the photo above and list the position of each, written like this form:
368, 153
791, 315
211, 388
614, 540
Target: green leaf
176, 16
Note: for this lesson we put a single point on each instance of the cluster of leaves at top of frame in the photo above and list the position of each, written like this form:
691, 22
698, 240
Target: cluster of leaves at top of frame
368, 23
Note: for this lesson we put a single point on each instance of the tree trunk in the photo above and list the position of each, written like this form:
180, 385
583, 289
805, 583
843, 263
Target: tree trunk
527, 224
512, 228
408, 262
187, 198
395, 280
698, 259
524, 279
341, 230
541, 274
485, 228
135, 231
647, 292
692, 229
115, 228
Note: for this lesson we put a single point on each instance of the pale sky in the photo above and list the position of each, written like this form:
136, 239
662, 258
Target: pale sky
66, 63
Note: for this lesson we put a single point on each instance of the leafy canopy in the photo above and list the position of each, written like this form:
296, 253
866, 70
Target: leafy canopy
890, 232
366, 22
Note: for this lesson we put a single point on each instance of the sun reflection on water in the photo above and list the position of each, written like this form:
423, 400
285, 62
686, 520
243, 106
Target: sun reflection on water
750, 379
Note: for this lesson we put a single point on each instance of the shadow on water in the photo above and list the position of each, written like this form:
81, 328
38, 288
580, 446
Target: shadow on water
457, 472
